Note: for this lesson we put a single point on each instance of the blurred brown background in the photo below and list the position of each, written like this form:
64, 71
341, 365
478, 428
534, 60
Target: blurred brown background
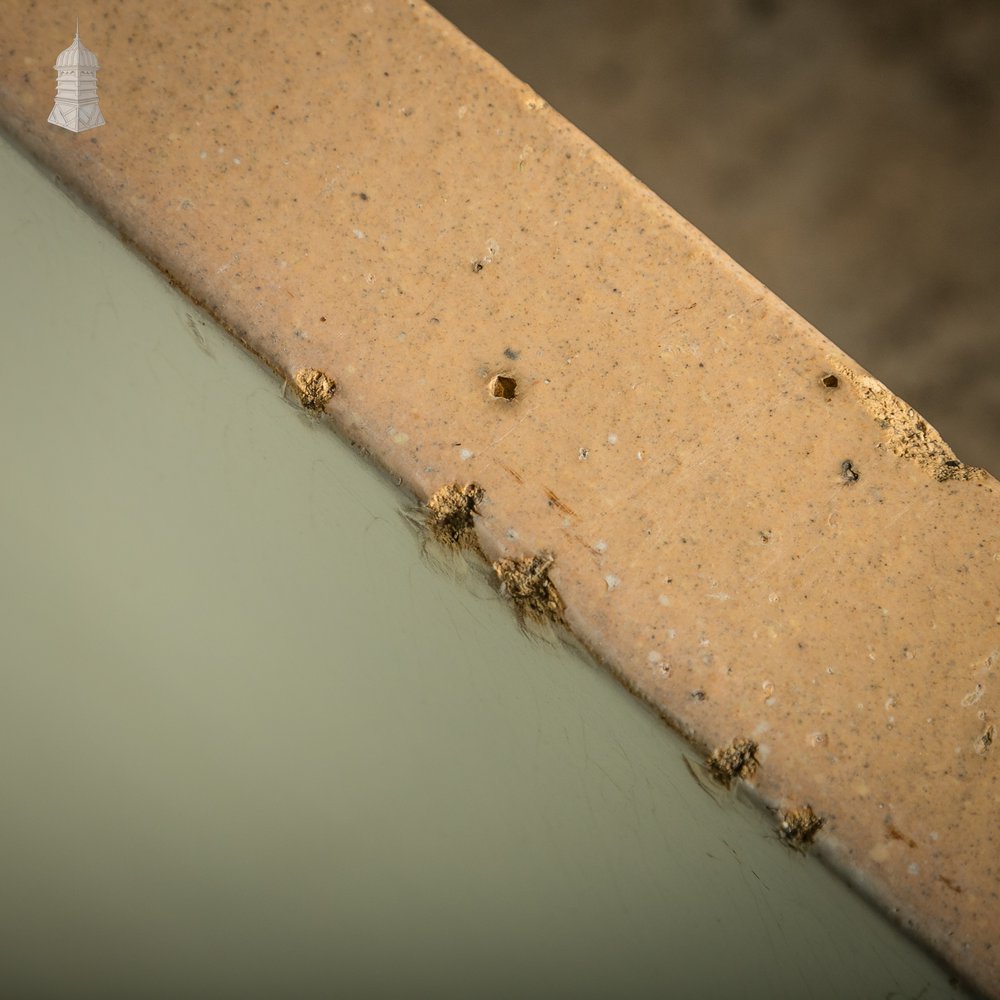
847, 152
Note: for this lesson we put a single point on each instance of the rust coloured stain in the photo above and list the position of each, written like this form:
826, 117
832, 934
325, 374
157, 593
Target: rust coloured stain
556, 502
895, 834
517, 478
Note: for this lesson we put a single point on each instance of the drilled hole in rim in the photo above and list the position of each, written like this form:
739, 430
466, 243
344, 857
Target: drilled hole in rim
503, 386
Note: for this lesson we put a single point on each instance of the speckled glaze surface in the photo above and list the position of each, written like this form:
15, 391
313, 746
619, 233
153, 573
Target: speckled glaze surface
754, 534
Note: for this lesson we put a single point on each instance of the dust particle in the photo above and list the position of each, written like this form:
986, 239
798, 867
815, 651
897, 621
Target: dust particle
316, 388
739, 760
451, 512
525, 582
798, 827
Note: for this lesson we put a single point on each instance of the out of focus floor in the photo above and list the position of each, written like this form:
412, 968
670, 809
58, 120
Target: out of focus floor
846, 152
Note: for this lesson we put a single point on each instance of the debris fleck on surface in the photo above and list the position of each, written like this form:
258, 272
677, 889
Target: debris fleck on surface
451, 512
738, 760
492, 249
798, 827
525, 582
848, 472
316, 388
